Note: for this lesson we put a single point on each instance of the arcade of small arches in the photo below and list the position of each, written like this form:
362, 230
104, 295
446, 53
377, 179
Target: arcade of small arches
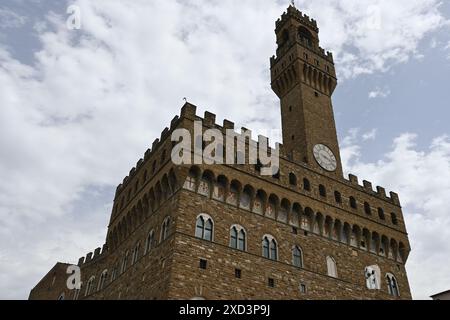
259, 202
150, 202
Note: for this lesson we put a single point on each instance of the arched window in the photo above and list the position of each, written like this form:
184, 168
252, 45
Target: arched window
297, 257
165, 229
124, 262
270, 248
394, 219
292, 179
306, 185
353, 204
337, 197
238, 238
367, 208
372, 274
381, 214
103, 279
149, 242
204, 227
392, 285
136, 253
90, 286
76, 293
322, 191
331, 267
305, 36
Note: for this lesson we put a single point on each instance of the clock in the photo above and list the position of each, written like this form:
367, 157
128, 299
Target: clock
325, 157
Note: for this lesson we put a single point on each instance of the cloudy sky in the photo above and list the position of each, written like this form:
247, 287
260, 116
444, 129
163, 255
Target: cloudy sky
78, 108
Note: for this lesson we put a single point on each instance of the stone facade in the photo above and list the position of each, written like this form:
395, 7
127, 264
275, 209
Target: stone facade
153, 249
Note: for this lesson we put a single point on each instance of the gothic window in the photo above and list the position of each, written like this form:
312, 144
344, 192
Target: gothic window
353, 204
305, 36
373, 275
292, 179
114, 273
238, 238
337, 197
136, 253
90, 286
124, 262
322, 191
149, 241
367, 208
331, 267
204, 227
76, 293
392, 285
103, 279
306, 185
297, 257
165, 229
394, 219
381, 214
270, 248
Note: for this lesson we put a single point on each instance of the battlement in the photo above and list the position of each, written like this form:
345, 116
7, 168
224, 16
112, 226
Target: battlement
97, 254
293, 12
189, 111
368, 188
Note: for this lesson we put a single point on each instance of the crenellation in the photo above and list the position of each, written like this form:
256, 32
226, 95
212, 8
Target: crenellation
395, 198
132, 172
88, 257
97, 253
353, 180
381, 191
209, 119
164, 134
188, 110
81, 261
155, 144
147, 154
174, 123
140, 163
368, 186
227, 124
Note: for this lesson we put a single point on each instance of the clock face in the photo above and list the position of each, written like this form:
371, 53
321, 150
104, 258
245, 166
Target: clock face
325, 157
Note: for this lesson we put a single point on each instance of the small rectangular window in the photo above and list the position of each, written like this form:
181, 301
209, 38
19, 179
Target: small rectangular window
294, 230
302, 288
316, 94
238, 273
203, 264
271, 283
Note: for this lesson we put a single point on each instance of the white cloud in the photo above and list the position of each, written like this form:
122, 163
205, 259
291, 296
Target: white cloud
422, 179
10, 19
370, 135
93, 101
379, 93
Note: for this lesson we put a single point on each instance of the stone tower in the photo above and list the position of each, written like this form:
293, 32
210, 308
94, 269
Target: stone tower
304, 78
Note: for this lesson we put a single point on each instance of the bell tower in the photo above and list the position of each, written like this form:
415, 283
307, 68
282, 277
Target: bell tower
304, 78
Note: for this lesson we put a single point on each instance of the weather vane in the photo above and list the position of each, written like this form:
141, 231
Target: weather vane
293, 3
